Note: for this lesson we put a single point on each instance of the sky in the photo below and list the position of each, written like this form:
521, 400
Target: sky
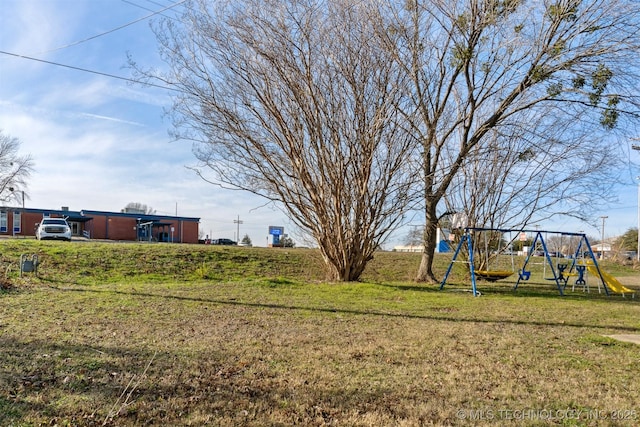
100, 142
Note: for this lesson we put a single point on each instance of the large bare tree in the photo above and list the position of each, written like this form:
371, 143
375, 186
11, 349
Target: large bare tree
296, 101
552, 76
510, 182
15, 169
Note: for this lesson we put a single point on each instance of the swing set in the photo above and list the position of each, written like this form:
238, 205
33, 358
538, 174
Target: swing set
561, 270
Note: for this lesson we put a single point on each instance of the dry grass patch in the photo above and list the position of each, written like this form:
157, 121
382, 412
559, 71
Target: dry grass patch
128, 335
267, 353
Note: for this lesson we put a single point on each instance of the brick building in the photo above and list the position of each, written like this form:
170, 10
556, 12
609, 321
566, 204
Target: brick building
126, 226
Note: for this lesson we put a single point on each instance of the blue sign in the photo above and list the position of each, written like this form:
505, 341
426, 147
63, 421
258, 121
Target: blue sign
276, 231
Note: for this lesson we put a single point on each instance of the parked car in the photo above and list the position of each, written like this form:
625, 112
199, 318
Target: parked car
53, 229
628, 255
223, 242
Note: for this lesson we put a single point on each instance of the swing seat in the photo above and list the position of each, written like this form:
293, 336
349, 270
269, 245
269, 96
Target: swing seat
493, 275
524, 274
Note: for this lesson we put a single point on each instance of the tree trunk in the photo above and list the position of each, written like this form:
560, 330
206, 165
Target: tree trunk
344, 265
425, 272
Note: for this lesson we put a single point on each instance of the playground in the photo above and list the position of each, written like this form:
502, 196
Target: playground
570, 264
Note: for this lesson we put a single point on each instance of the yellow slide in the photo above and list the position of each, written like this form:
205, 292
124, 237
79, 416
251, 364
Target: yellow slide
612, 283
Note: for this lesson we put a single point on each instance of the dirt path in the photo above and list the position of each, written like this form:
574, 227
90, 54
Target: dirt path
626, 338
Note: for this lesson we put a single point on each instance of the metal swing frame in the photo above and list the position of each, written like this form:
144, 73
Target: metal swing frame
487, 274
558, 276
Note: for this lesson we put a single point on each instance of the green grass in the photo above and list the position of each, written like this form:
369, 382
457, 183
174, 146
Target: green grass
138, 334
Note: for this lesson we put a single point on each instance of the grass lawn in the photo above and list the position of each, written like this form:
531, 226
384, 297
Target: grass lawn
188, 335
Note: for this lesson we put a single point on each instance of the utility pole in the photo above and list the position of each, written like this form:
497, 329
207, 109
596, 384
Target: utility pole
602, 241
638, 249
637, 148
238, 222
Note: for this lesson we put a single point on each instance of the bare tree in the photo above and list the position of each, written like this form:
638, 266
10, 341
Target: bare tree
629, 240
139, 208
414, 236
551, 78
509, 182
294, 100
15, 169
287, 242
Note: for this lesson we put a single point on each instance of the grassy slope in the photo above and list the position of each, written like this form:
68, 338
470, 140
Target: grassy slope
126, 334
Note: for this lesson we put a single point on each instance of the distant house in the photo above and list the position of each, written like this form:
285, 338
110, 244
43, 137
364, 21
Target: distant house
600, 249
443, 246
124, 226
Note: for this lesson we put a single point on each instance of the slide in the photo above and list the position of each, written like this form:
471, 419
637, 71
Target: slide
612, 283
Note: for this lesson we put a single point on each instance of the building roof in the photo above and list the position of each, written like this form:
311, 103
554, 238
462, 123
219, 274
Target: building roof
86, 215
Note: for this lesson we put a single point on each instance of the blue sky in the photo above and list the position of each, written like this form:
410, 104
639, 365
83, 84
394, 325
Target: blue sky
99, 143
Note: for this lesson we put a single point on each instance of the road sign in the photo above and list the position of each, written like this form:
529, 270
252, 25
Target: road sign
276, 231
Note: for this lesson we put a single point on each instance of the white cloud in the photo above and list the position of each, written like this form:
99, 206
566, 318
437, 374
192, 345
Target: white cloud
112, 119
31, 27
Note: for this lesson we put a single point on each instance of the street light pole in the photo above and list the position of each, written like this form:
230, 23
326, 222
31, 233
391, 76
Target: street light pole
237, 221
602, 241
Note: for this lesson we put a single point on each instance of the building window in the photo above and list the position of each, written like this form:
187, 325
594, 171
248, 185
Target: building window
3, 222
17, 222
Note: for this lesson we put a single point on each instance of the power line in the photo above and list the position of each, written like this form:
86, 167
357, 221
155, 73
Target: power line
100, 73
150, 10
113, 29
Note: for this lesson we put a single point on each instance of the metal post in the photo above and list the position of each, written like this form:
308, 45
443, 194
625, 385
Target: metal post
472, 268
602, 241
637, 148
237, 221
638, 248
453, 259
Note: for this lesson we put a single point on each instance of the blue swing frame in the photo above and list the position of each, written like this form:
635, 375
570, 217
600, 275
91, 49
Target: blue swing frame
523, 274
